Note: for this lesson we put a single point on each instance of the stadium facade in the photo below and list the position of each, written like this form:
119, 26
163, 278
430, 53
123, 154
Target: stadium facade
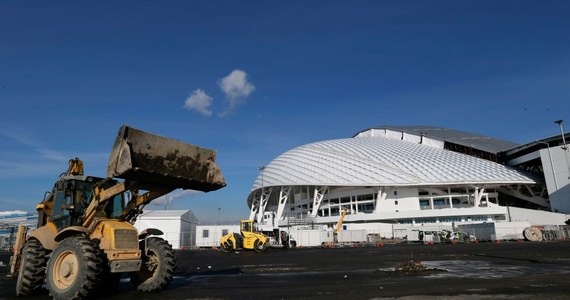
415, 175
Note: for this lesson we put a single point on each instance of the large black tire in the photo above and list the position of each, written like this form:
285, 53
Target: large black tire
226, 246
74, 269
292, 244
157, 268
32, 268
258, 246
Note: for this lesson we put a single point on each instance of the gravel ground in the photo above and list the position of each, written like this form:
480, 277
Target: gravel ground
508, 270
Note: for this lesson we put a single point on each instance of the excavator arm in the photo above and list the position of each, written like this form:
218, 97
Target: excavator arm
135, 205
339, 224
75, 167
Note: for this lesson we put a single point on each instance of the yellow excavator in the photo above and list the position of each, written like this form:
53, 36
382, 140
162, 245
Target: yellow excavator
85, 236
248, 238
336, 230
338, 226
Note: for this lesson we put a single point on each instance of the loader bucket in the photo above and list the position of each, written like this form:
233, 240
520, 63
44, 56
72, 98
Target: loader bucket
159, 161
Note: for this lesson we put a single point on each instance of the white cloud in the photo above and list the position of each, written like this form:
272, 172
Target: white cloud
200, 102
237, 88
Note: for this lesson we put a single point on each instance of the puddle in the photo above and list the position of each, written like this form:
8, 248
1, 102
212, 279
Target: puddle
485, 269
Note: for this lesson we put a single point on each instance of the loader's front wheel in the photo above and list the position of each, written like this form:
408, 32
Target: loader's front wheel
157, 268
32, 268
74, 269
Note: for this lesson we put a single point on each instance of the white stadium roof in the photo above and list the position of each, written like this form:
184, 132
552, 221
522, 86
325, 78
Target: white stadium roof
382, 161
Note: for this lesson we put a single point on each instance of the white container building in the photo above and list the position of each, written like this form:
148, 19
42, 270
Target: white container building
208, 236
178, 226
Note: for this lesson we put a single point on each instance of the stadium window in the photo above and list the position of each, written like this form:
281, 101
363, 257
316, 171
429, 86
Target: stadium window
224, 232
365, 197
395, 193
205, 233
396, 202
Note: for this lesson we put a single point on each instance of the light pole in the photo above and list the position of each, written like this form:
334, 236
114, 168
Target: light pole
551, 164
560, 122
262, 192
261, 169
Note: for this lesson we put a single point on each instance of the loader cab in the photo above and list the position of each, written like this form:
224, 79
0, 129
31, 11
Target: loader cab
70, 197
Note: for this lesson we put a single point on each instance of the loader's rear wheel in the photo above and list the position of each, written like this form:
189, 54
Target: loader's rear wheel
258, 246
226, 246
157, 268
74, 269
32, 268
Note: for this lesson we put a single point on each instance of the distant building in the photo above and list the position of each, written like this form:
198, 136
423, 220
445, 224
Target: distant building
9, 222
19, 217
414, 176
178, 226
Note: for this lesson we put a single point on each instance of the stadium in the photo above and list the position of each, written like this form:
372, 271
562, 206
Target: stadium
414, 176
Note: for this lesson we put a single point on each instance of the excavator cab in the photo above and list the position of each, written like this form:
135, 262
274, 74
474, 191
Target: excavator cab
249, 238
69, 198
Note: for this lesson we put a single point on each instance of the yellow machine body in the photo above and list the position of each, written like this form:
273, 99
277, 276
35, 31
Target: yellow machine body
248, 238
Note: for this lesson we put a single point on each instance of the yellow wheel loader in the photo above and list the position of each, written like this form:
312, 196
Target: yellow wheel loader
248, 238
85, 236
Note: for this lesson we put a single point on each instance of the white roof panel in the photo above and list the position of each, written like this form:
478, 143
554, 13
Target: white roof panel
163, 214
380, 161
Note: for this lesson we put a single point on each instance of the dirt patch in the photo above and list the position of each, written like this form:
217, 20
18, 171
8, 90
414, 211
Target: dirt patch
412, 267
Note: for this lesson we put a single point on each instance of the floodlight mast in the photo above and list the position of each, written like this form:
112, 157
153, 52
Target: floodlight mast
261, 169
560, 122
551, 164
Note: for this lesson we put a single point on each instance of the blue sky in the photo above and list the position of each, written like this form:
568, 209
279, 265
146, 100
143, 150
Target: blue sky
266, 76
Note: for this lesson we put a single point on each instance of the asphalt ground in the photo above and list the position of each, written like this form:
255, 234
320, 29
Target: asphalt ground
507, 270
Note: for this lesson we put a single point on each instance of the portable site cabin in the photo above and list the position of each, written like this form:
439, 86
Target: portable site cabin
210, 235
178, 226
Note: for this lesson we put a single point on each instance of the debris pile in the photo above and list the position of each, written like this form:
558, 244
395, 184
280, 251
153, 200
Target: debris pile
411, 267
